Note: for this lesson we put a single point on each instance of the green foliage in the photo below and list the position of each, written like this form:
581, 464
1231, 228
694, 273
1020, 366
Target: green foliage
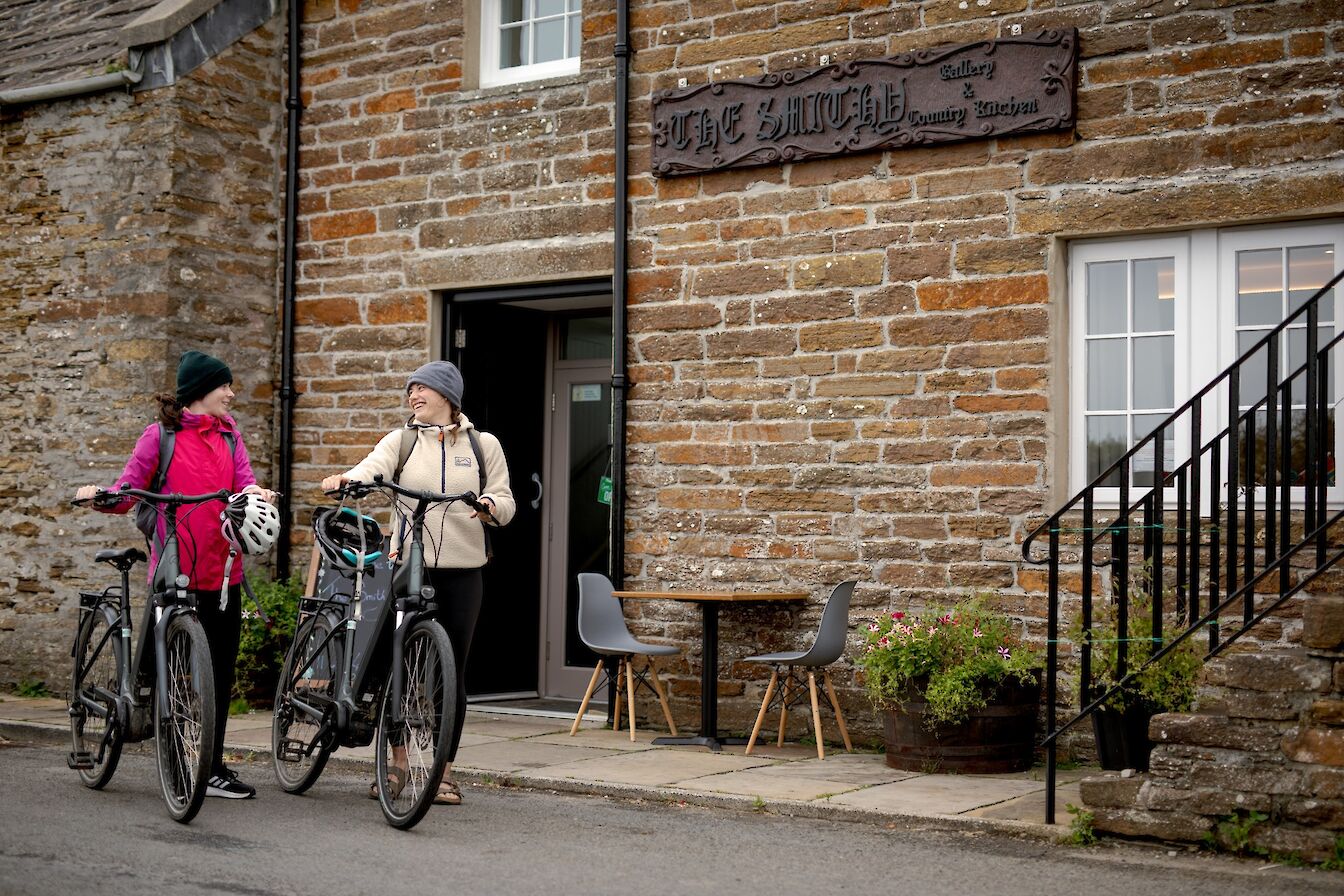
1336, 861
1233, 834
261, 648
954, 658
1081, 830
1166, 686
30, 687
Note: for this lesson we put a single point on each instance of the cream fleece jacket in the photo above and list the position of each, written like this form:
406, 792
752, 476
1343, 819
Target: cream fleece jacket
443, 461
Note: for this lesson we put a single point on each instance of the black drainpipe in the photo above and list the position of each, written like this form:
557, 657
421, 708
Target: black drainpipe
284, 477
618, 298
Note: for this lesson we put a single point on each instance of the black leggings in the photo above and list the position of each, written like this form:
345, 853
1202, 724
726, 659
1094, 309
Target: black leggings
222, 630
458, 594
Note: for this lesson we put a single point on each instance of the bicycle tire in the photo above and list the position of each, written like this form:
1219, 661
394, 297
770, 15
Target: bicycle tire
428, 703
96, 678
184, 739
294, 732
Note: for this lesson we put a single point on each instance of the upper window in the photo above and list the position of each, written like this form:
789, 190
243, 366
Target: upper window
1155, 320
527, 40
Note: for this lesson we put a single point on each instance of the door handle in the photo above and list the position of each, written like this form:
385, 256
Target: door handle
536, 499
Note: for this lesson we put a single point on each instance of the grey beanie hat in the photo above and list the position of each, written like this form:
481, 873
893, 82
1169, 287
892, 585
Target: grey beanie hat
441, 376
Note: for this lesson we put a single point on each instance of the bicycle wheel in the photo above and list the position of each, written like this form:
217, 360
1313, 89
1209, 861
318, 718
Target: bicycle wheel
418, 744
185, 737
300, 743
94, 726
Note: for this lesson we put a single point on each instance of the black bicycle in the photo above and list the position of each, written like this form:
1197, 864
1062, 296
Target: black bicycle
164, 689
369, 660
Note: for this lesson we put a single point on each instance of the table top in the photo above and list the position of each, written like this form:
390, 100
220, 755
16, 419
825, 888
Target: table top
715, 596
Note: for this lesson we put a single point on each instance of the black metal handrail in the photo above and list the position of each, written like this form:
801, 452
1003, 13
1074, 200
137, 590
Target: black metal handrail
1236, 564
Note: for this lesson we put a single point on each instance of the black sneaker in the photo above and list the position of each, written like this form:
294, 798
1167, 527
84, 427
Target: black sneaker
226, 784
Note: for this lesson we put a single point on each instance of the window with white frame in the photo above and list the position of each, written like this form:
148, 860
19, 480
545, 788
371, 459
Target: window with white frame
527, 40
1154, 320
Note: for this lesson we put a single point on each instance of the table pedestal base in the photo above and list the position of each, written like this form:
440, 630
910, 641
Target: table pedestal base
714, 743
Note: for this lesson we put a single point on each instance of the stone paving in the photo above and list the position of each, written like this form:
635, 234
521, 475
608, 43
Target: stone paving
537, 752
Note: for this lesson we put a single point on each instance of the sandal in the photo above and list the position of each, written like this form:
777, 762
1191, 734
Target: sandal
449, 793
396, 777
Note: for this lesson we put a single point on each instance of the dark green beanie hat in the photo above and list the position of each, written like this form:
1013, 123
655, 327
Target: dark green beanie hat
199, 374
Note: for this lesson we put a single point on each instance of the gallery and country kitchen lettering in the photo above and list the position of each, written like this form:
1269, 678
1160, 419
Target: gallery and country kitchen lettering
941, 95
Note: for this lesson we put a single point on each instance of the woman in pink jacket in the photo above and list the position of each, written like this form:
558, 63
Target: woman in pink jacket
203, 460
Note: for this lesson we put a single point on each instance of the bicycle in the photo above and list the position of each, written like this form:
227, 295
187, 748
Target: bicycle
165, 689
350, 676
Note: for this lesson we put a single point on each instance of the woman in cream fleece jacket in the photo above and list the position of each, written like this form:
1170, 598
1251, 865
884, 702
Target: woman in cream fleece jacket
442, 460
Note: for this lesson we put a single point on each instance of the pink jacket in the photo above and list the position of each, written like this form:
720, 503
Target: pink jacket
201, 463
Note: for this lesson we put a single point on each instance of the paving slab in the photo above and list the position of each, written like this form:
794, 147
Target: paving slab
1032, 806
523, 755
767, 786
937, 794
856, 770
604, 738
511, 726
663, 767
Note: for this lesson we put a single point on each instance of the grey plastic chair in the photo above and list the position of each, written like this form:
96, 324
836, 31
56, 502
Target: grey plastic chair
602, 627
826, 649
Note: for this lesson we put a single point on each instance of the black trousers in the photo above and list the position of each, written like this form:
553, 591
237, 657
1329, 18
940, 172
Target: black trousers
458, 594
222, 630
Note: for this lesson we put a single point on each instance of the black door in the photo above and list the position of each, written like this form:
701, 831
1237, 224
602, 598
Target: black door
502, 352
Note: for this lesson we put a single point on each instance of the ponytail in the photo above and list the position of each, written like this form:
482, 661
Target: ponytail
170, 412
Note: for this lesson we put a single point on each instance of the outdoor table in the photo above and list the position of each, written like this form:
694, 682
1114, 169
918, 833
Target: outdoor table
709, 602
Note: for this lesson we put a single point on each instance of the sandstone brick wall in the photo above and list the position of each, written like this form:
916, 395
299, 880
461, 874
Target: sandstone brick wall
841, 368
1268, 737
131, 228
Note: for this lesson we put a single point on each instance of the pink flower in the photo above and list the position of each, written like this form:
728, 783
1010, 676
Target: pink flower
883, 642
932, 630
975, 632
898, 616
873, 627
1003, 652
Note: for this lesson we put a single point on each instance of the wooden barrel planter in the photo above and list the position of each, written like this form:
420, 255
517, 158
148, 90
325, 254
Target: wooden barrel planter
999, 738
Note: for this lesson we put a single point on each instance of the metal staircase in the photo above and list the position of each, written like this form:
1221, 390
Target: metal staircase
1226, 535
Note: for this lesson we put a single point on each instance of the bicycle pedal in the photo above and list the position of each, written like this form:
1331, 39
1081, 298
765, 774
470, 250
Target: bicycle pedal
291, 750
80, 761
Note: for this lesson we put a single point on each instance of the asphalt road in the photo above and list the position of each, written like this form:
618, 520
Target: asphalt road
60, 838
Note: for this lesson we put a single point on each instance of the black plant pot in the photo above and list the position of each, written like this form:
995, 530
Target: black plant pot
1122, 738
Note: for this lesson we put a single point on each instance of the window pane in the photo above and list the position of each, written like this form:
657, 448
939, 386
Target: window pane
550, 37
575, 33
1310, 268
1106, 307
1252, 383
574, 5
585, 337
1106, 375
1297, 356
549, 8
1143, 464
1259, 287
1155, 294
512, 11
513, 47
1105, 444
1154, 372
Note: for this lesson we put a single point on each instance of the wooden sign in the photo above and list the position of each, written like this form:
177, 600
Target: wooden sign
941, 95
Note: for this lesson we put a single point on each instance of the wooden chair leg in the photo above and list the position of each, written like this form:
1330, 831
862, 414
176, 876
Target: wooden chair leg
662, 697
630, 692
620, 686
784, 704
816, 713
765, 704
587, 695
839, 716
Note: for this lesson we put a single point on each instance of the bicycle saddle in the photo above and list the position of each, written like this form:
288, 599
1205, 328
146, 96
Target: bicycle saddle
126, 556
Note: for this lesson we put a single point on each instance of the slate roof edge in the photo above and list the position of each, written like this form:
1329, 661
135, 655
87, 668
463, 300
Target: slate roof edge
162, 21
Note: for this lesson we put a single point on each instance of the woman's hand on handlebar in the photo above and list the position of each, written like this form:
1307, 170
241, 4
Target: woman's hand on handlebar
87, 492
334, 484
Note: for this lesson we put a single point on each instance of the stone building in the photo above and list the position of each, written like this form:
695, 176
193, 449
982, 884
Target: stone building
852, 363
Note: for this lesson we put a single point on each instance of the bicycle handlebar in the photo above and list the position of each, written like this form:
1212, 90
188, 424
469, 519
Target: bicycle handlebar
357, 489
103, 496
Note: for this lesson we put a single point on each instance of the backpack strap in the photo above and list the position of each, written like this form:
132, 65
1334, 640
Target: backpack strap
408, 438
480, 468
167, 439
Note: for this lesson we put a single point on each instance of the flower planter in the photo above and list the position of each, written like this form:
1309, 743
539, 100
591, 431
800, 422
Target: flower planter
999, 738
1122, 738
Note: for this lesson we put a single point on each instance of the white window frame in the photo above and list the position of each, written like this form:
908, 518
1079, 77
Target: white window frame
1205, 287
494, 76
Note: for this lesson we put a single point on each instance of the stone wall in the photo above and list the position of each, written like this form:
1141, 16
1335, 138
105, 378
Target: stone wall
131, 229
1267, 737
841, 368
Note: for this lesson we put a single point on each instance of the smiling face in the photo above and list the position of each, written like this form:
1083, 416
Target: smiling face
428, 406
215, 403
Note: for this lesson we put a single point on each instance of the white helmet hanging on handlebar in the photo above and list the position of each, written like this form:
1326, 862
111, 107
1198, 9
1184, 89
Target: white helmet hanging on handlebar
250, 523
